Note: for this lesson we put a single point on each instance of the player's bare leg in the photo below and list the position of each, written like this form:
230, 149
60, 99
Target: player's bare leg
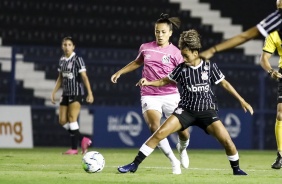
217, 130
170, 126
153, 118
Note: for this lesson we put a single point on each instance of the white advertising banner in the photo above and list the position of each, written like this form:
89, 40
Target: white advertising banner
15, 127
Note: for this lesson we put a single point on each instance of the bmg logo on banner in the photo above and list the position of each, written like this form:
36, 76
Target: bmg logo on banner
15, 127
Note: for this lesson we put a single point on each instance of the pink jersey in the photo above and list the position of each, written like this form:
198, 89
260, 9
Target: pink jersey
158, 63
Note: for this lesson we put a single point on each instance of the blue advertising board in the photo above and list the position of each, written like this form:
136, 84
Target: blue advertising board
118, 127
124, 127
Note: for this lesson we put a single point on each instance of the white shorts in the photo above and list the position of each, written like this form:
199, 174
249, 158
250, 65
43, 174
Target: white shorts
162, 103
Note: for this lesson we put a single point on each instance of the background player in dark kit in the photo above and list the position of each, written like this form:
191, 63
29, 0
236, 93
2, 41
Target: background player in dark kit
72, 76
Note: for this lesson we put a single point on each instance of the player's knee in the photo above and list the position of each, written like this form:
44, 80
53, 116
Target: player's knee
159, 135
279, 115
153, 127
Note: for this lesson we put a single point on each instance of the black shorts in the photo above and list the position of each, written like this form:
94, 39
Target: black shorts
279, 90
66, 100
201, 119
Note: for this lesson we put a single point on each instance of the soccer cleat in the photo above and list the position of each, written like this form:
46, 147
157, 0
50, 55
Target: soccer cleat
176, 167
238, 171
85, 143
184, 159
278, 162
128, 168
71, 152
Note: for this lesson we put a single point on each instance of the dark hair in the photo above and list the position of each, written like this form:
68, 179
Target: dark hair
171, 21
68, 38
190, 39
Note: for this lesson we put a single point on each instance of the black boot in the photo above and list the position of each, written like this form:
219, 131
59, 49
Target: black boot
278, 162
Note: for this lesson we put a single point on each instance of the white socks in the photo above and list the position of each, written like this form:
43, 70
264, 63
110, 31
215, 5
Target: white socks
183, 144
146, 150
233, 157
66, 126
166, 149
74, 125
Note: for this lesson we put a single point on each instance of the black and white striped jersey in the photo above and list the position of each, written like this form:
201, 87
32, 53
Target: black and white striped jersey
196, 83
70, 68
271, 23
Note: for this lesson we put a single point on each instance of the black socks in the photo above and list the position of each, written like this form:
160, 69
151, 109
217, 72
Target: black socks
75, 137
139, 158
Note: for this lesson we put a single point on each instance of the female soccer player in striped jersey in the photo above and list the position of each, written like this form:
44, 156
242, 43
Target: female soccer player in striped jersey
271, 23
197, 106
72, 76
159, 58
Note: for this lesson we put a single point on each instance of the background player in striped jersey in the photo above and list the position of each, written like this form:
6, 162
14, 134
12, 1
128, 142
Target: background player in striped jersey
159, 58
197, 106
271, 23
273, 42
72, 76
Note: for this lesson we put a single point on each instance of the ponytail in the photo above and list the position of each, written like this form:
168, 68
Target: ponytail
172, 21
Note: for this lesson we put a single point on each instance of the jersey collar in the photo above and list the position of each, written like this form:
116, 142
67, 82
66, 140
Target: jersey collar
69, 57
199, 65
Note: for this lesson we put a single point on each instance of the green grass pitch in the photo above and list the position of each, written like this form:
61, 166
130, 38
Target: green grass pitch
49, 166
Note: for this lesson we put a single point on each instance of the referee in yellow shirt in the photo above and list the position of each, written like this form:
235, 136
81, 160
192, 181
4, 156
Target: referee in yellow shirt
273, 42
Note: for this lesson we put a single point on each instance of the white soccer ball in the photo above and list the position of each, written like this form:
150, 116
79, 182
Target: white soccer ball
93, 162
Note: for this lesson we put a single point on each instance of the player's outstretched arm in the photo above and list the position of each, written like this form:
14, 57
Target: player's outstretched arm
161, 82
231, 43
133, 65
228, 87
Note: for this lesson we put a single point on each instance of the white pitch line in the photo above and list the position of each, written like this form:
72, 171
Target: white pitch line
111, 166
195, 168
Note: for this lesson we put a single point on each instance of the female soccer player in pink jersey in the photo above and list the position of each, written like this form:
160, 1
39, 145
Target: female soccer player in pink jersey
159, 58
